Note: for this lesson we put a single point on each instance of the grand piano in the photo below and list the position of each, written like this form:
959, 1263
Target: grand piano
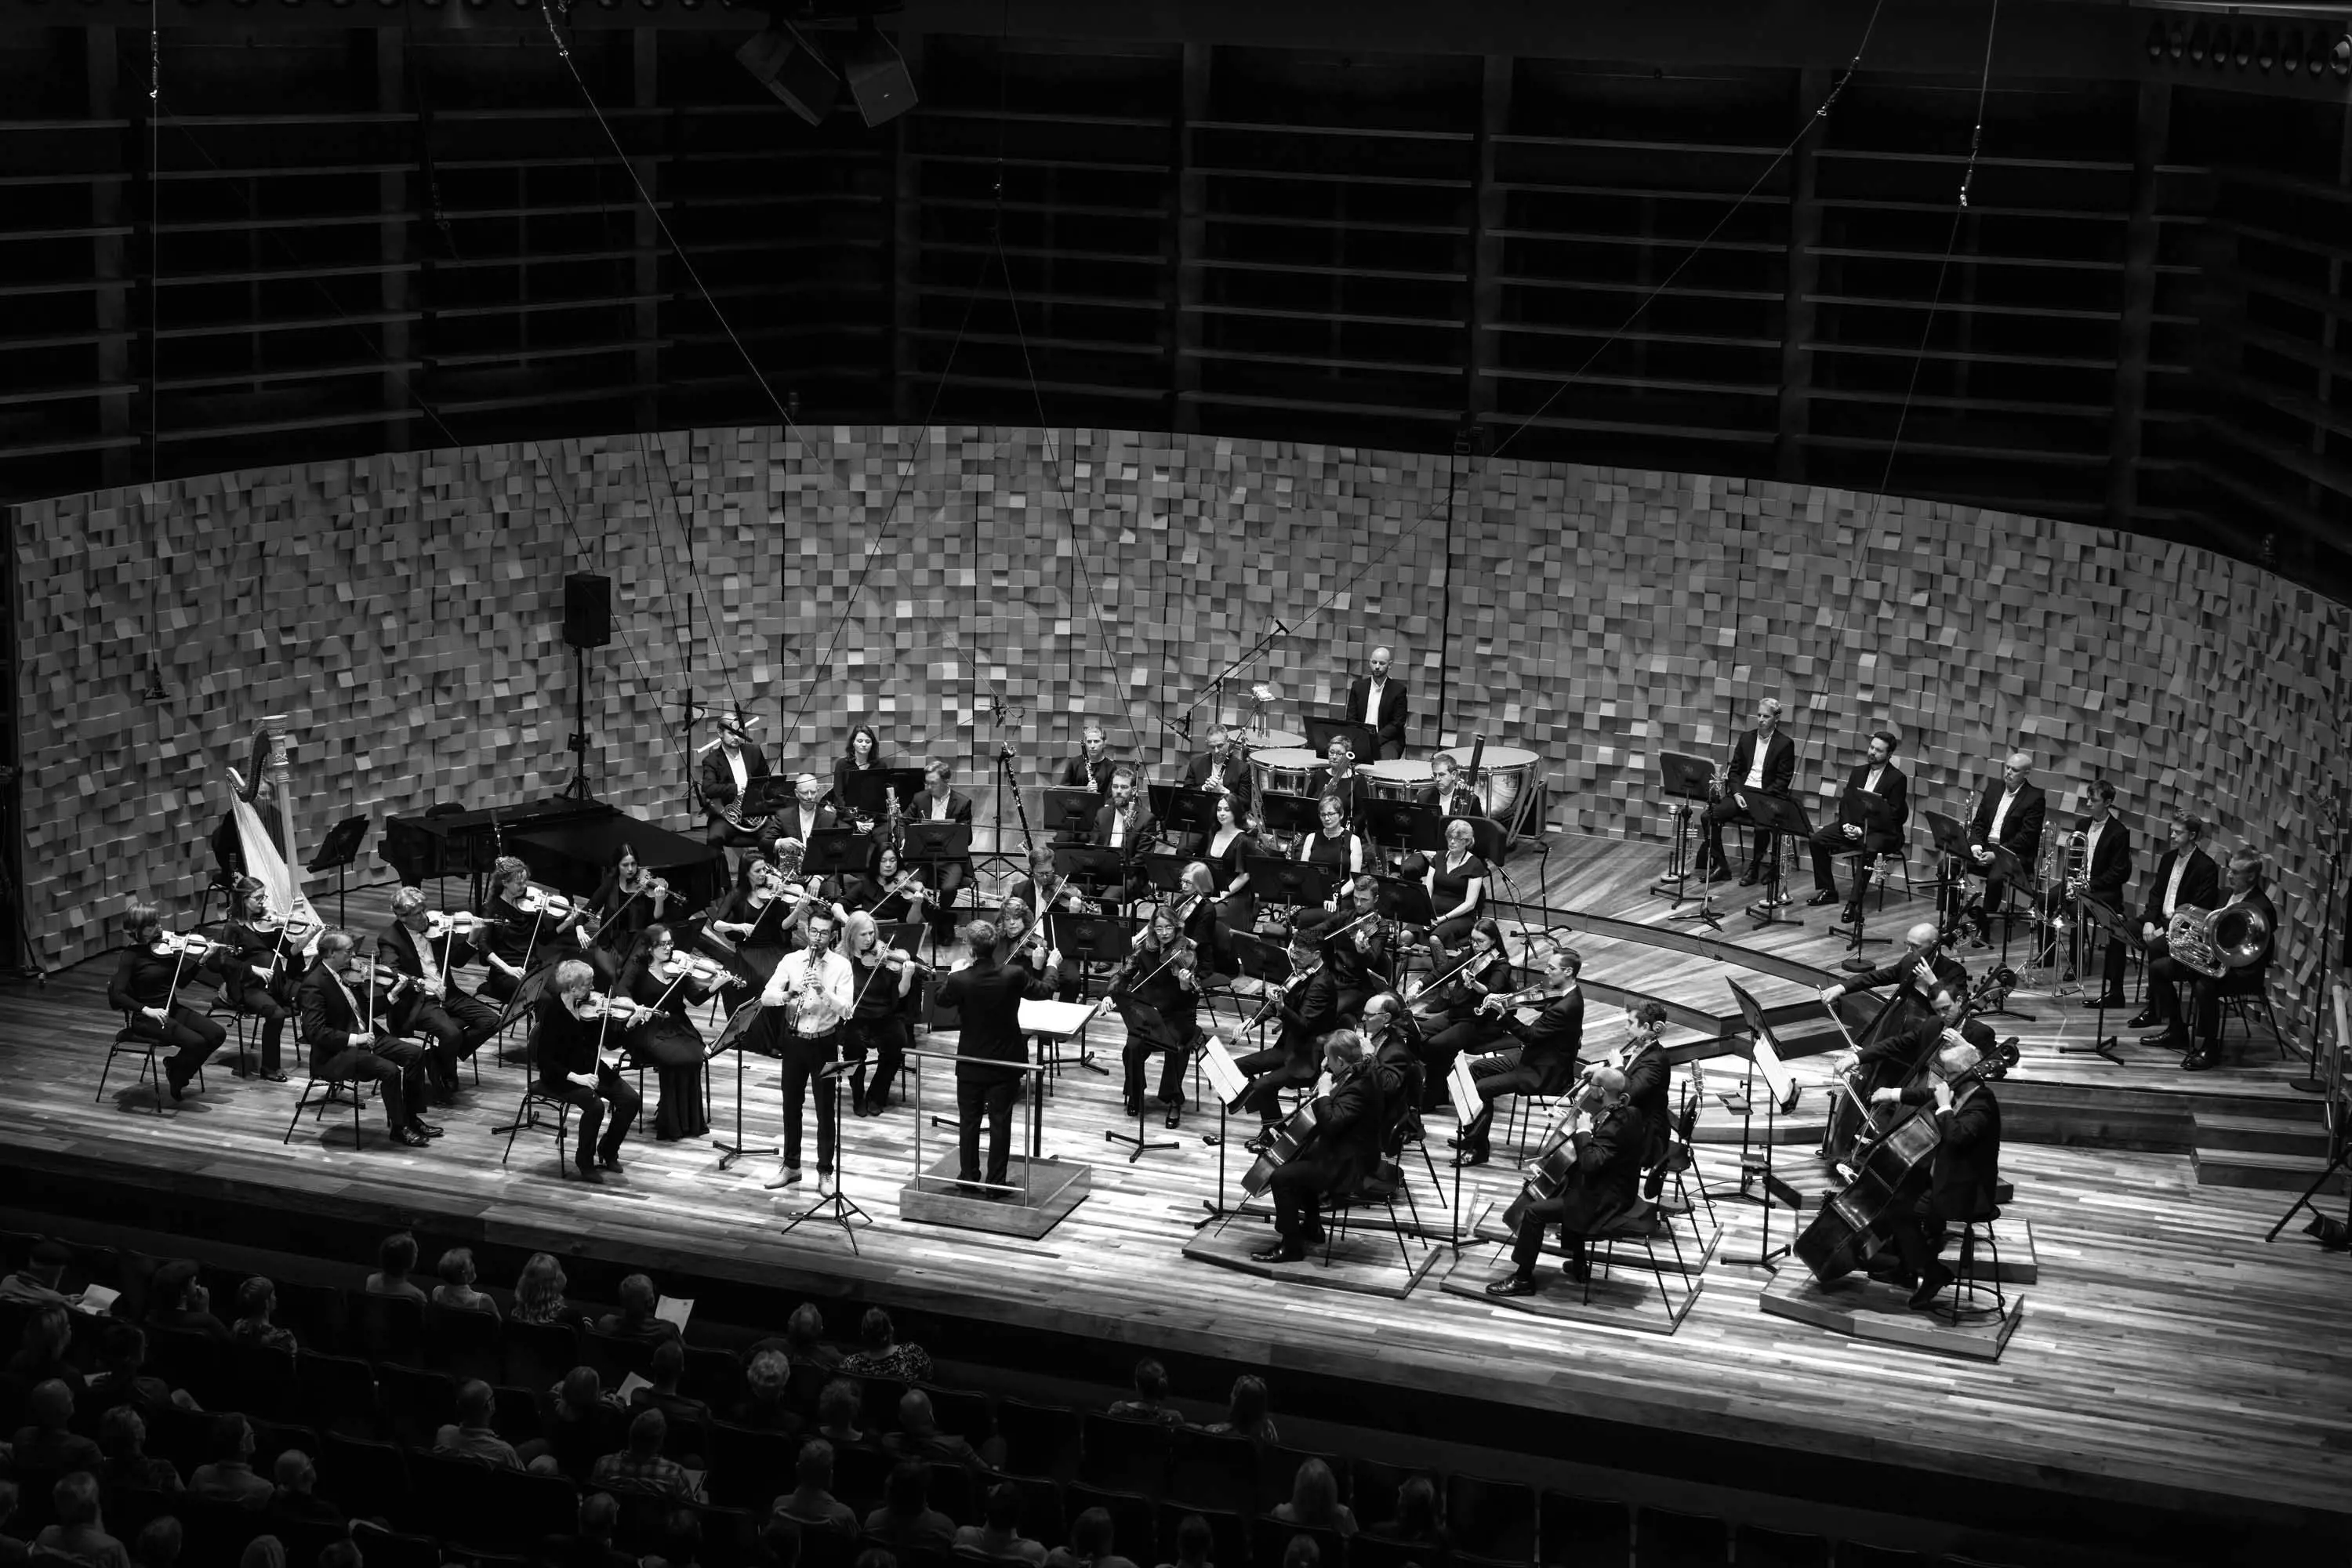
567, 842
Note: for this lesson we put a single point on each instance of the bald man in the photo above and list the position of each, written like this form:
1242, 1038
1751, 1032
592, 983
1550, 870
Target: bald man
1376, 700
1602, 1188
2010, 816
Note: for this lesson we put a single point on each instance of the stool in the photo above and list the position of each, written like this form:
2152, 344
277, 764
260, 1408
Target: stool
1966, 1287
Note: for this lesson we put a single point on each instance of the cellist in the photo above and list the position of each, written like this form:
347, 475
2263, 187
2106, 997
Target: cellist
1920, 974
1345, 1148
1966, 1168
1600, 1187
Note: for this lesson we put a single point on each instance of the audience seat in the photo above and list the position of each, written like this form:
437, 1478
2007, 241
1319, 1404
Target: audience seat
1581, 1530
1212, 1469
392, 1549
537, 1355
1042, 1518
366, 1478
1861, 1555
338, 1394
1491, 1519
1367, 1550
1132, 1523
614, 1356
1372, 1488
213, 1530
1270, 1538
415, 1402
713, 1376
1664, 1537
860, 1474
463, 1343
1229, 1528
1039, 1439
1277, 1473
1753, 1546
749, 1469
1124, 1455
265, 1381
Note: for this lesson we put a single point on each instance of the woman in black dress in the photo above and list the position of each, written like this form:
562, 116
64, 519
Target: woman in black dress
654, 977
1456, 884
256, 973
150, 984
1451, 1023
865, 757
759, 920
1233, 837
1333, 845
880, 979
525, 931
627, 901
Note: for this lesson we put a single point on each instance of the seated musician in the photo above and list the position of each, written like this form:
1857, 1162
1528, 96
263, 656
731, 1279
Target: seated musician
1377, 703
1224, 856
1929, 987
1357, 950
1393, 1035
149, 984
627, 901
2106, 867
2242, 886
1456, 885
1344, 1148
881, 980
1125, 823
1338, 778
1763, 763
893, 895
436, 1008
1203, 914
1332, 844
1872, 810
938, 802
2011, 819
1222, 769
576, 1058
2186, 878
1453, 1022
726, 775
256, 973
865, 756
1308, 1006
1648, 1075
1447, 789
657, 980
1600, 1186
763, 921
1917, 973
1160, 972
350, 1038
524, 930
1965, 1172
807, 816
1068, 974
1091, 768
1545, 1059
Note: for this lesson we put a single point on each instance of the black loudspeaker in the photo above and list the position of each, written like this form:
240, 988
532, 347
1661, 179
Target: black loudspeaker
587, 610
793, 71
876, 75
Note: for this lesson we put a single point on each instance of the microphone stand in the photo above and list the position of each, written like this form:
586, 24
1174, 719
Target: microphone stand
1005, 785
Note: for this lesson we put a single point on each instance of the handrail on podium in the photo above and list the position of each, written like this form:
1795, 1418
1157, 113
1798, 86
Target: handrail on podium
1036, 1116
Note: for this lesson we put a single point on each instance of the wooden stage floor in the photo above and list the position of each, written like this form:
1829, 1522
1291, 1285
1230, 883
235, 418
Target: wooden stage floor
2167, 1358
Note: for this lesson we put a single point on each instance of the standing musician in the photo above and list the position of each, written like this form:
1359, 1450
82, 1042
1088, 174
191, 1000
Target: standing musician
815, 991
351, 1038
1376, 702
1332, 844
146, 986
257, 972
1545, 1059
1090, 769
2242, 885
2186, 878
666, 984
576, 1055
1447, 790
1338, 779
1222, 769
937, 802
1357, 951
436, 1008
763, 920
1344, 1149
2013, 820
1308, 1003
1965, 1172
1234, 835
1762, 763
726, 774
882, 978
865, 755
1872, 810
988, 993
1158, 972
526, 931
1602, 1187
1456, 885
628, 900
807, 816
1450, 1019
1125, 823
2106, 867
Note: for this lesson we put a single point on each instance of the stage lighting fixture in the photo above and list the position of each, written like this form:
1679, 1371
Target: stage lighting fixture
2266, 52
2196, 45
2245, 48
2339, 59
876, 75
2176, 39
2156, 40
787, 65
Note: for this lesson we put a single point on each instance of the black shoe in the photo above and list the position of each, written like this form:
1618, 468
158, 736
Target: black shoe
271, 1075
1470, 1157
1716, 873
1259, 1144
1850, 915
2164, 1040
1280, 1252
2200, 1061
608, 1162
1980, 940
1133, 1106
1578, 1270
590, 1173
1175, 1116
1514, 1285
2109, 1003
1931, 1285
425, 1126
1822, 895
2145, 1018
1750, 879
411, 1137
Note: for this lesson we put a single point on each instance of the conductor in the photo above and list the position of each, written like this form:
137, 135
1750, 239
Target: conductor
988, 993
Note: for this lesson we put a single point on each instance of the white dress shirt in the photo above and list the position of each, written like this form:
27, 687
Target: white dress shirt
2173, 887
740, 769
1373, 690
2000, 815
828, 989
1755, 767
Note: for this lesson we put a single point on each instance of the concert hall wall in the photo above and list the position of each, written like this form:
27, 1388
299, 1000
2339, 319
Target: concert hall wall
405, 611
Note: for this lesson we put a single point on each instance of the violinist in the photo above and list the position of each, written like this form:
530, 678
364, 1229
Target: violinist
1965, 1172
1544, 1062
1392, 1035
1159, 973
988, 993
1344, 1149
761, 919
576, 1049
1069, 975
666, 982
257, 970
726, 774
1450, 1019
1648, 1074
146, 986
1233, 837
350, 1038
1600, 1185
865, 756
881, 980
1358, 948
436, 1006
1310, 1006
628, 900
938, 802
527, 928
1202, 917
1222, 770
1456, 885
810, 992
1332, 844
892, 896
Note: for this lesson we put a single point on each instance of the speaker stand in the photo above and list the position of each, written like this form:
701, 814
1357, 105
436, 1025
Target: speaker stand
578, 789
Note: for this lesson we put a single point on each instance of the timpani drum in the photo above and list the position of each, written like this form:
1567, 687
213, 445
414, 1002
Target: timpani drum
1283, 770
1507, 776
1395, 779
1257, 740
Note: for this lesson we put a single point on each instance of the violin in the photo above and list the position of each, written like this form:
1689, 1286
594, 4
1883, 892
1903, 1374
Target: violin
539, 900
184, 944
600, 1005
438, 924
1542, 991
688, 966
898, 960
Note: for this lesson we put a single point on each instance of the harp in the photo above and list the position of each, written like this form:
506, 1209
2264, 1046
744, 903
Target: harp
250, 842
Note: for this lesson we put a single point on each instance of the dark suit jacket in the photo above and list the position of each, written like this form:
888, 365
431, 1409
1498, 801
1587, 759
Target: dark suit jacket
718, 779
1347, 1130
1077, 775
2111, 864
1780, 764
1236, 774
1143, 836
959, 806
2250, 976
330, 1026
1608, 1172
1391, 724
2021, 832
1549, 1045
396, 945
1968, 1162
1894, 813
2200, 886
1647, 1077
1909, 1005
1309, 1013
1462, 804
1353, 790
989, 996
788, 822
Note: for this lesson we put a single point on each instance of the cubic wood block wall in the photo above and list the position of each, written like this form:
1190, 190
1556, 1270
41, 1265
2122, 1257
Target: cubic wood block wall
405, 610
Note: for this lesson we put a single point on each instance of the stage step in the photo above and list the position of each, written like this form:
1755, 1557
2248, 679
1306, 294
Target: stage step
2305, 1135
2266, 1171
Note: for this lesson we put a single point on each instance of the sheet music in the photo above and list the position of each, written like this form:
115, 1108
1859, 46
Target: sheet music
1224, 1075
1463, 1090
675, 1310
1060, 1019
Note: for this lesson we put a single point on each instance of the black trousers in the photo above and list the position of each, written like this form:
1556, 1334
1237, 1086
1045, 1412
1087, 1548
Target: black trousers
1271, 1071
1919, 1236
612, 1089
1137, 1053
1297, 1190
887, 1038
1497, 1075
253, 999
804, 1058
2167, 976
992, 1098
1830, 839
1442, 1047
947, 879
1527, 1246
397, 1068
453, 1019
1729, 810
193, 1037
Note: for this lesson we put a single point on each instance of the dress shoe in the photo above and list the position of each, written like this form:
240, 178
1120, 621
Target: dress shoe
1750, 879
1578, 1270
1716, 872
1931, 1285
2109, 1004
1133, 1106
1175, 1116
785, 1176
411, 1137
176, 1083
425, 1126
2200, 1061
1259, 1144
2145, 1018
2164, 1040
1513, 1284
1822, 895
1280, 1252
1850, 915
271, 1075
590, 1173
1470, 1157
608, 1162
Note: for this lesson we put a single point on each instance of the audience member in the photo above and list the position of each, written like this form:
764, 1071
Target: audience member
590, 1545
663, 1372
229, 1476
297, 1495
255, 1299
80, 1533
14, 1549
48, 1446
159, 1544
1416, 1523
1302, 1553
39, 1280
681, 1540
1245, 1414
1000, 1535
1195, 1542
780, 1543
472, 1436
571, 1424
882, 1355
457, 1290
642, 1464
538, 1292
1151, 1401
811, 1502
176, 1299
1089, 1544
805, 1339
874, 1557
122, 1378
1315, 1500
636, 1320
122, 1433
906, 1519
837, 1413
340, 1554
396, 1260
265, 1552
918, 1436
41, 1354
767, 1389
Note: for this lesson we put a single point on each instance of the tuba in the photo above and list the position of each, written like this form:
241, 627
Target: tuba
2214, 942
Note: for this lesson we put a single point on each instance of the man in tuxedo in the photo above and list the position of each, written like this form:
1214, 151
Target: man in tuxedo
1964, 1176
807, 816
1222, 769
436, 1006
2106, 867
1359, 959
1378, 702
1309, 1009
2010, 819
937, 801
1344, 1150
1091, 768
2186, 878
1544, 1062
727, 772
1762, 763
1929, 984
345, 1045
1872, 810
1125, 823
1447, 790
2243, 886
987, 993
1602, 1190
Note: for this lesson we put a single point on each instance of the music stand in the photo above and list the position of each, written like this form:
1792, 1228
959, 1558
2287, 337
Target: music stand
1689, 781
1951, 844
1144, 1020
1781, 1094
1098, 867
766, 796
1096, 939
833, 850
1295, 882
1070, 813
1406, 901
1294, 814
1403, 823
2111, 921
929, 842
1181, 810
336, 853
733, 1036
1260, 958
1780, 815
836, 1205
867, 792
1363, 741
1163, 872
